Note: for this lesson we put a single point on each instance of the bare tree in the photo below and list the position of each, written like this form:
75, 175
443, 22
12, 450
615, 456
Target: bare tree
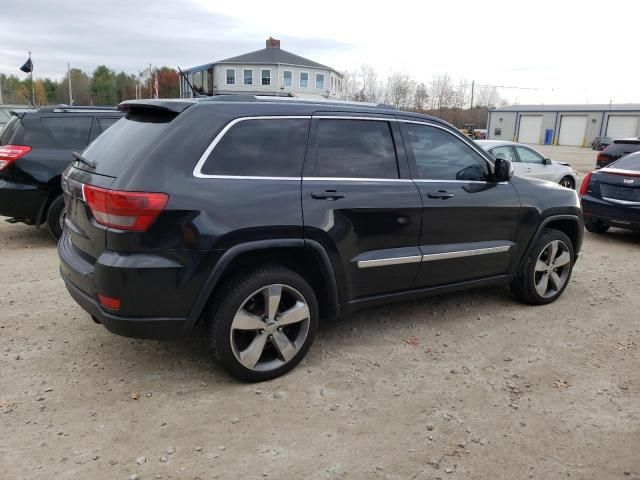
420, 97
399, 91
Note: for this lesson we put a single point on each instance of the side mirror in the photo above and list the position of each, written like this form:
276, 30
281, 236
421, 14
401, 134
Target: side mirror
503, 170
547, 161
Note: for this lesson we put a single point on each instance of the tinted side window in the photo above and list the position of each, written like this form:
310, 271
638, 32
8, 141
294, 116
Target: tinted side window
622, 147
268, 147
505, 152
529, 156
105, 123
355, 149
68, 131
439, 155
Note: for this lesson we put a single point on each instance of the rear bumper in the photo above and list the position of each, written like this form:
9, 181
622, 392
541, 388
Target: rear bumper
610, 213
144, 327
153, 303
20, 200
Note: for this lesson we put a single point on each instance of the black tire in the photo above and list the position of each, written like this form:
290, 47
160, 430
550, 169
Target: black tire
596, 226
55, 214
232, 297
569, 182
524, 285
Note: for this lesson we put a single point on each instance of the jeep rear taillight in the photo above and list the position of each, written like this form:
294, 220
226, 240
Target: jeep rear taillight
132, 211
11, 153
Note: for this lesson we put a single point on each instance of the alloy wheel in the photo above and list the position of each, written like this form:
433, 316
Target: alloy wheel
270, 327
552, 269
566, 182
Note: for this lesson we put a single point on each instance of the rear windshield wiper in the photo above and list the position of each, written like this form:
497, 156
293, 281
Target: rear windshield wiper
81, 159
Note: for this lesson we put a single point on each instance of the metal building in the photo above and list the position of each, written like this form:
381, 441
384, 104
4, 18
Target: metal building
574, 125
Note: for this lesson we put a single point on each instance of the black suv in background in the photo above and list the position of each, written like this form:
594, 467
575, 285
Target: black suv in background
617, 150
36, 146
259, 217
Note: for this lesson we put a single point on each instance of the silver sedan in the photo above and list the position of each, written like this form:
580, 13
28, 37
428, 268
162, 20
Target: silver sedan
528, 162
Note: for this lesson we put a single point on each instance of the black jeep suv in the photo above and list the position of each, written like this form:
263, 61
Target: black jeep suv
35, 147
260, 217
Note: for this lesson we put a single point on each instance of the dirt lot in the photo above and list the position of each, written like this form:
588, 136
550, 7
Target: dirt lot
461, 386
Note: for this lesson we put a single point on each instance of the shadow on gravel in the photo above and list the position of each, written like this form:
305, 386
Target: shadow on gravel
26, 236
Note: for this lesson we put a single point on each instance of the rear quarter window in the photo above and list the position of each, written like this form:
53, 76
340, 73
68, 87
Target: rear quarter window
68, 131
269, 147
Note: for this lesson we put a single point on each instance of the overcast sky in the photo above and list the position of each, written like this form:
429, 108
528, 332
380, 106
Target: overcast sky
572, 52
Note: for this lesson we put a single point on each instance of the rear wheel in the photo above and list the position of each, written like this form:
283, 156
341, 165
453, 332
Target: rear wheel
261, 325
567, 182
55, 217
545, 272
596, 226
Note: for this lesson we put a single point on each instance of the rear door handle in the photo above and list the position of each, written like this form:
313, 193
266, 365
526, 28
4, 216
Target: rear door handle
327, 195
441, 194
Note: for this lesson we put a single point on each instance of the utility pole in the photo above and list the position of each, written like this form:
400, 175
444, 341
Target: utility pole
473, 85
150, 82
1, 102
69, 81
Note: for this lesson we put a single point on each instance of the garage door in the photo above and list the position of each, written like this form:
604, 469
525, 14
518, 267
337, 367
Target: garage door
530, 129
572, 130
622, 126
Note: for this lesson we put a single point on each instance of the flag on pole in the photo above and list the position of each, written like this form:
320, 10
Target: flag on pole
28, 66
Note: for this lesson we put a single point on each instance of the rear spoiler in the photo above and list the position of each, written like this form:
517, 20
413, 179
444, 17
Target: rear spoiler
21, 112
166, 105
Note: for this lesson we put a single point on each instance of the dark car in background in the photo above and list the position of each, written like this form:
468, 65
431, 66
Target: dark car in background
611, 196
258, 217
617, 150
36, 146
600, 143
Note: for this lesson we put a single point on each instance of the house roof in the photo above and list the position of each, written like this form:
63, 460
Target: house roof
594, 107
271, 55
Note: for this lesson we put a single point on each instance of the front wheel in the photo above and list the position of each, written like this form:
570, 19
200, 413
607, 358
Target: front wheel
567, 182
545, 272
55, 217
261, 325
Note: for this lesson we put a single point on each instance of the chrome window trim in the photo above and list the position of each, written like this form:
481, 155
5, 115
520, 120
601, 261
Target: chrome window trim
464, 253
197, 170
384, 262
351, 179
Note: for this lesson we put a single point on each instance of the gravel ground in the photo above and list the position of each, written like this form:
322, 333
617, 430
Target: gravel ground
461, 386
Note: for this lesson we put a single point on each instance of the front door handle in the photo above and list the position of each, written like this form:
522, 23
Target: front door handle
441, 194
327, 195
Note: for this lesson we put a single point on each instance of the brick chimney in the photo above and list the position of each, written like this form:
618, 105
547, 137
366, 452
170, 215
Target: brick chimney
273, 43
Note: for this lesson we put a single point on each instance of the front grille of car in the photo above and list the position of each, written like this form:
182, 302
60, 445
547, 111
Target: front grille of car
628, 194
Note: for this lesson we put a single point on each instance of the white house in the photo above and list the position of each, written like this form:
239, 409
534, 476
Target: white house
270, 71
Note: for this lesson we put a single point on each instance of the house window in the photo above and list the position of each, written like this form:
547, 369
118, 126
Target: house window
248, 77
320, 81
304, 79
497, 131
287, 78
266, 77
231, 76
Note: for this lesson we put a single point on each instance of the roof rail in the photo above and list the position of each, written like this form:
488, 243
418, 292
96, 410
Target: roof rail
62, 108
271, 98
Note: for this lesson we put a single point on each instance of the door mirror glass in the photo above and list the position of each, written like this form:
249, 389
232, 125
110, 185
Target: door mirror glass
503, 170
547, 161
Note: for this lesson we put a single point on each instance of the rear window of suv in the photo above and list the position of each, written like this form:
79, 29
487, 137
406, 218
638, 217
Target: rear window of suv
126, 140
268, 147
623, 146
68, 131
